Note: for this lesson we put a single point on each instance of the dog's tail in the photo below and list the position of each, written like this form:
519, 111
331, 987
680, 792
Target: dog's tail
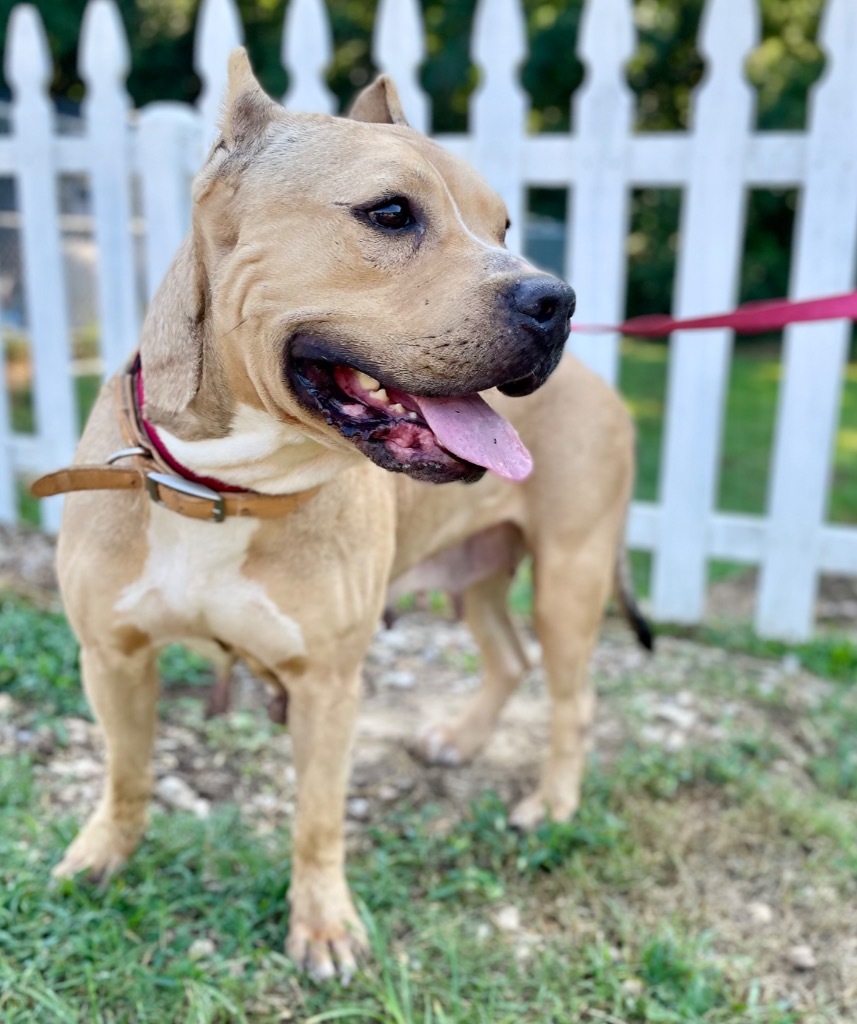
628, 601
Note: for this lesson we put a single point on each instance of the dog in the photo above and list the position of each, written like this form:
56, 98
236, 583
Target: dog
308, 383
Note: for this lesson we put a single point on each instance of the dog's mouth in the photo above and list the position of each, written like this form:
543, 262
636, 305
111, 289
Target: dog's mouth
430, 438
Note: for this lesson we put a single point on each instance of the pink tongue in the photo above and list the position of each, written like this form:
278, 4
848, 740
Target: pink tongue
469, 428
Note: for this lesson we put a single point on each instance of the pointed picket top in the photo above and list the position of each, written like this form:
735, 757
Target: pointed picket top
728, 31
499, 36
306, 52
498, 115
398, 46
104, 55
606, 40
28, 62
218, 32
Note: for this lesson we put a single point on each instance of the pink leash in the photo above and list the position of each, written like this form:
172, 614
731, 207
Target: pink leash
751, 318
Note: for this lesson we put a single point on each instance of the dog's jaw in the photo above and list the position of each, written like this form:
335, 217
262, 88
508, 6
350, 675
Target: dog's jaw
430, 437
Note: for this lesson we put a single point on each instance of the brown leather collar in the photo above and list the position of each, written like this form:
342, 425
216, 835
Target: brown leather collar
143, 469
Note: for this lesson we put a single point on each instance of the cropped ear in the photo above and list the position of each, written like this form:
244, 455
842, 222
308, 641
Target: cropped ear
379, 103
173, 338
247, 109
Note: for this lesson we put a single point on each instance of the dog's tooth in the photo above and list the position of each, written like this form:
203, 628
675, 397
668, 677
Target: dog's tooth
365, 381
397, 408
381, 395
412, 416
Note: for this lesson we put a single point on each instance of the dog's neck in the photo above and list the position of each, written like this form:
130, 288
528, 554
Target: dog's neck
259, 453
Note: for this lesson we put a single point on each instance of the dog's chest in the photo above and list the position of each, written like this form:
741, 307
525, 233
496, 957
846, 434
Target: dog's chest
192, 587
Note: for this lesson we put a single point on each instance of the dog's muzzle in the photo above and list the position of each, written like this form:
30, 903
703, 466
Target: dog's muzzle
541, 308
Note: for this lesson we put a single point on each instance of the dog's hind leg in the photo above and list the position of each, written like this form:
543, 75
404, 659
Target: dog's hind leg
503, 664
121, 682
572, 585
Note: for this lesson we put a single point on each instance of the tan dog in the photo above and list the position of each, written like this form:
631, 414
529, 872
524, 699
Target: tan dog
328, 255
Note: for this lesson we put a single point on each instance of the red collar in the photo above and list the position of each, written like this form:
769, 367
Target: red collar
161, 448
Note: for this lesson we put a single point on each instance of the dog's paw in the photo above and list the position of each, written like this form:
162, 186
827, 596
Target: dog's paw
444, 745
326, 937
101, 848
537, 808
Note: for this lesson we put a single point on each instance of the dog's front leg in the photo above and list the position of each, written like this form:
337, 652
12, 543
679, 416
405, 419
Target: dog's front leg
121, 680
325, 933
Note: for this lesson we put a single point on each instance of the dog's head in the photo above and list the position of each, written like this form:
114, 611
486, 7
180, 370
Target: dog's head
349, 276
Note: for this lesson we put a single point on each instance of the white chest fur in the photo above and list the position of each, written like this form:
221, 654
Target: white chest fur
261, 454
192, 588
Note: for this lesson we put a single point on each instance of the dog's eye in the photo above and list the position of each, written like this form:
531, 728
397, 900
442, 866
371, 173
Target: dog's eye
395, 214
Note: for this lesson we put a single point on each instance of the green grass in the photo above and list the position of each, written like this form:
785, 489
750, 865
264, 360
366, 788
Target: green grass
827, 655
594, 891
126, 953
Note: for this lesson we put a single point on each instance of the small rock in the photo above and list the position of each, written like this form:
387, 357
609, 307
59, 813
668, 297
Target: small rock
358, 808
483, 931
399, 679
508, 919
79, 768
633, 988
78, 730
7, 704
653, 734
760, 913
790, 664
176, 793
388, 794
681, 717
201, 948
802, 958
675, 741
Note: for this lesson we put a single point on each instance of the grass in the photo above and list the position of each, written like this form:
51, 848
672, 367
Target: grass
128, 953
192, 931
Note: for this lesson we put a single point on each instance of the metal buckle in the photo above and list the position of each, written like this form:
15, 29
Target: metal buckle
177, 483
125, 453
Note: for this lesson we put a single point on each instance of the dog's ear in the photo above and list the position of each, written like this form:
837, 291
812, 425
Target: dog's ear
379, 103
172, 342
247, 109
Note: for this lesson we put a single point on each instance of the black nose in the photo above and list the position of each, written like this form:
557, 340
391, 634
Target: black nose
543, 305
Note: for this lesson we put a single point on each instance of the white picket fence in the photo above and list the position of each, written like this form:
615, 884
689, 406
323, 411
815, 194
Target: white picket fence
715, 163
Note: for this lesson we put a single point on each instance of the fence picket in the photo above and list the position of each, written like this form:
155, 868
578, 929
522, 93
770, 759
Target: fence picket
398, 46
104, 65
306, 52
8, 498
815, 354
499, 106
218, 32
712, 226
28, 69
167, 144
599, 202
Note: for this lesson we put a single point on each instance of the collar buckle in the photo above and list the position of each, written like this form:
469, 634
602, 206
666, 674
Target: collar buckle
154, 481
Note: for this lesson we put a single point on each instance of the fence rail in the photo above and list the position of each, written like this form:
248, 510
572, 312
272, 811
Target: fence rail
149, 156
